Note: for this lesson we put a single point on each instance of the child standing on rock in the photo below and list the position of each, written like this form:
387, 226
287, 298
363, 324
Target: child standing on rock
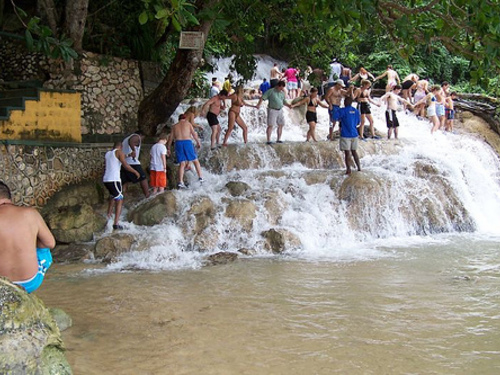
158, 167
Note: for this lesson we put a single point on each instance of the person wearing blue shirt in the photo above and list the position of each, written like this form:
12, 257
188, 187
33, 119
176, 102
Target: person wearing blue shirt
349, 118
264, 86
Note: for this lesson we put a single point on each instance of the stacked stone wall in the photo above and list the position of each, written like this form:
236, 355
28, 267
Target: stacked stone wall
111, 88
35, 173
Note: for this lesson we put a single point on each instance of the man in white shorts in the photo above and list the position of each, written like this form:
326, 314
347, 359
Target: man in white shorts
275, 116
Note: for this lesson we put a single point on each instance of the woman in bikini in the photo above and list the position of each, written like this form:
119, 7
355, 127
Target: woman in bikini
362, 75
312, 102
234, 115
362, 96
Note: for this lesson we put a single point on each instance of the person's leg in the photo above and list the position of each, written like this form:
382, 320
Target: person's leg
231, 118
362, 126
279, 132
356, 159
312, 131
389, 133
111, 203
213, 137
347, 158
118, 210
145, 187
217, 134
181, 172
244, 127
269, 131
370, 121
435, 122
197, 166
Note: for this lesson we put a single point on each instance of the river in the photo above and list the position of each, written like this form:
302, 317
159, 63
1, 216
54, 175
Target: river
386, 291
429, 307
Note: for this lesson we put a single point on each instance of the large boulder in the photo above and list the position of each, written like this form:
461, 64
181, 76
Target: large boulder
74, 223
91, 193
30, 340
108, 248
73, 252
237, 188
280, 240
153, 211
223, 257
204, 213
242, 211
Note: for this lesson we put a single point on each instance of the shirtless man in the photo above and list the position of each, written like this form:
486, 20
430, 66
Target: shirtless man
275, 75
182, 133
334, 97
25, 243
392, 78
212, 109
392, 98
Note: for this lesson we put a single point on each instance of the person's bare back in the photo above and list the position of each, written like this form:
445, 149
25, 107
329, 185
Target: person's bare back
22, 230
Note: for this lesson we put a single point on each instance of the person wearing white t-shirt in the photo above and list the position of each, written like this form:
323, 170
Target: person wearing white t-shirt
158, 167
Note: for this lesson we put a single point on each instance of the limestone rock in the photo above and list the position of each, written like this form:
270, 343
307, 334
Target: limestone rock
90, 193
237, 188
74, 223
275, 206
62, 319
280, 240
205, 241
71, 253
108, 248
29, 337
243, 211
222, 257
204, 212
155, 210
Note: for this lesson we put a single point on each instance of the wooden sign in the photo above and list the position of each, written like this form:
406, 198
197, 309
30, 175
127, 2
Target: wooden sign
191, 40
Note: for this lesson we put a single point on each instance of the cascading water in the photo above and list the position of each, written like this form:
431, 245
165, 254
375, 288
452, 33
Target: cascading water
410, 190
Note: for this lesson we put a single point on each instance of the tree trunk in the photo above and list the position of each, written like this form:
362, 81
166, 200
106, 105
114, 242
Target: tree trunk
75, 18
50, 12
162, 102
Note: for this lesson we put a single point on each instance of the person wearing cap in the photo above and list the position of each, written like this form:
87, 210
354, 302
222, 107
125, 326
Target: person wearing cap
334, 97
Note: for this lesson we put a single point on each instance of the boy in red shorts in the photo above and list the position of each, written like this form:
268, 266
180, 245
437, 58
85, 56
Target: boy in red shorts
158, 167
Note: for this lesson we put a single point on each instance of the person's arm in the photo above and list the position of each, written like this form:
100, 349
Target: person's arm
356, 93
300, 102
381, 76
170, 138
195, 136
397, 78
423, 100
370, 75
44, 237
355, 78
164, 161
121, 156
204, 109
323, 104
263, 97
133, 142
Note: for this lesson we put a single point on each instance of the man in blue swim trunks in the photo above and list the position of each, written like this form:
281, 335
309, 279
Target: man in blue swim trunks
25, 243
182, 133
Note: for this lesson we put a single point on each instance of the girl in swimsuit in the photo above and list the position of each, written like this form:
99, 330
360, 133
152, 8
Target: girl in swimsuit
420, 93
430, 101
234, 115
362, 96
312, 102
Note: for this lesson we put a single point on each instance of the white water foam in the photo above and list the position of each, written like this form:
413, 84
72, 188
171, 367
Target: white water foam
314, 213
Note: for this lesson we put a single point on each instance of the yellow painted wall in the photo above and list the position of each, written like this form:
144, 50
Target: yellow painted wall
55, 117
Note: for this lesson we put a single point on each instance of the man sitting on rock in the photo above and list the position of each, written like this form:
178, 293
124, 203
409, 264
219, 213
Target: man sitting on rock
25, 243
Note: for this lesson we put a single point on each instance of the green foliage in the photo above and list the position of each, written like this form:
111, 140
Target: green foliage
39, 38
199, 86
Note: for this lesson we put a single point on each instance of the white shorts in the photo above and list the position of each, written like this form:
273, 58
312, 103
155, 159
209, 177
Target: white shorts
431, 111
275, 117
292, 85
348, 144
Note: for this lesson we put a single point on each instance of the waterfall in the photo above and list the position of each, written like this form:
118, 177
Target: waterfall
411, 189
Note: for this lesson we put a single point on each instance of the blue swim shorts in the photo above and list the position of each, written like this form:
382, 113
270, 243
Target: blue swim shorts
184, 150
44, 262
334, 113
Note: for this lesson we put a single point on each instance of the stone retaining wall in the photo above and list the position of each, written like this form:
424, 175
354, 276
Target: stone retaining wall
111, 87
36, 172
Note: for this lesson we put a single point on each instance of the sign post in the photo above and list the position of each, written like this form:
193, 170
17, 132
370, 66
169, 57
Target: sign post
191, 40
